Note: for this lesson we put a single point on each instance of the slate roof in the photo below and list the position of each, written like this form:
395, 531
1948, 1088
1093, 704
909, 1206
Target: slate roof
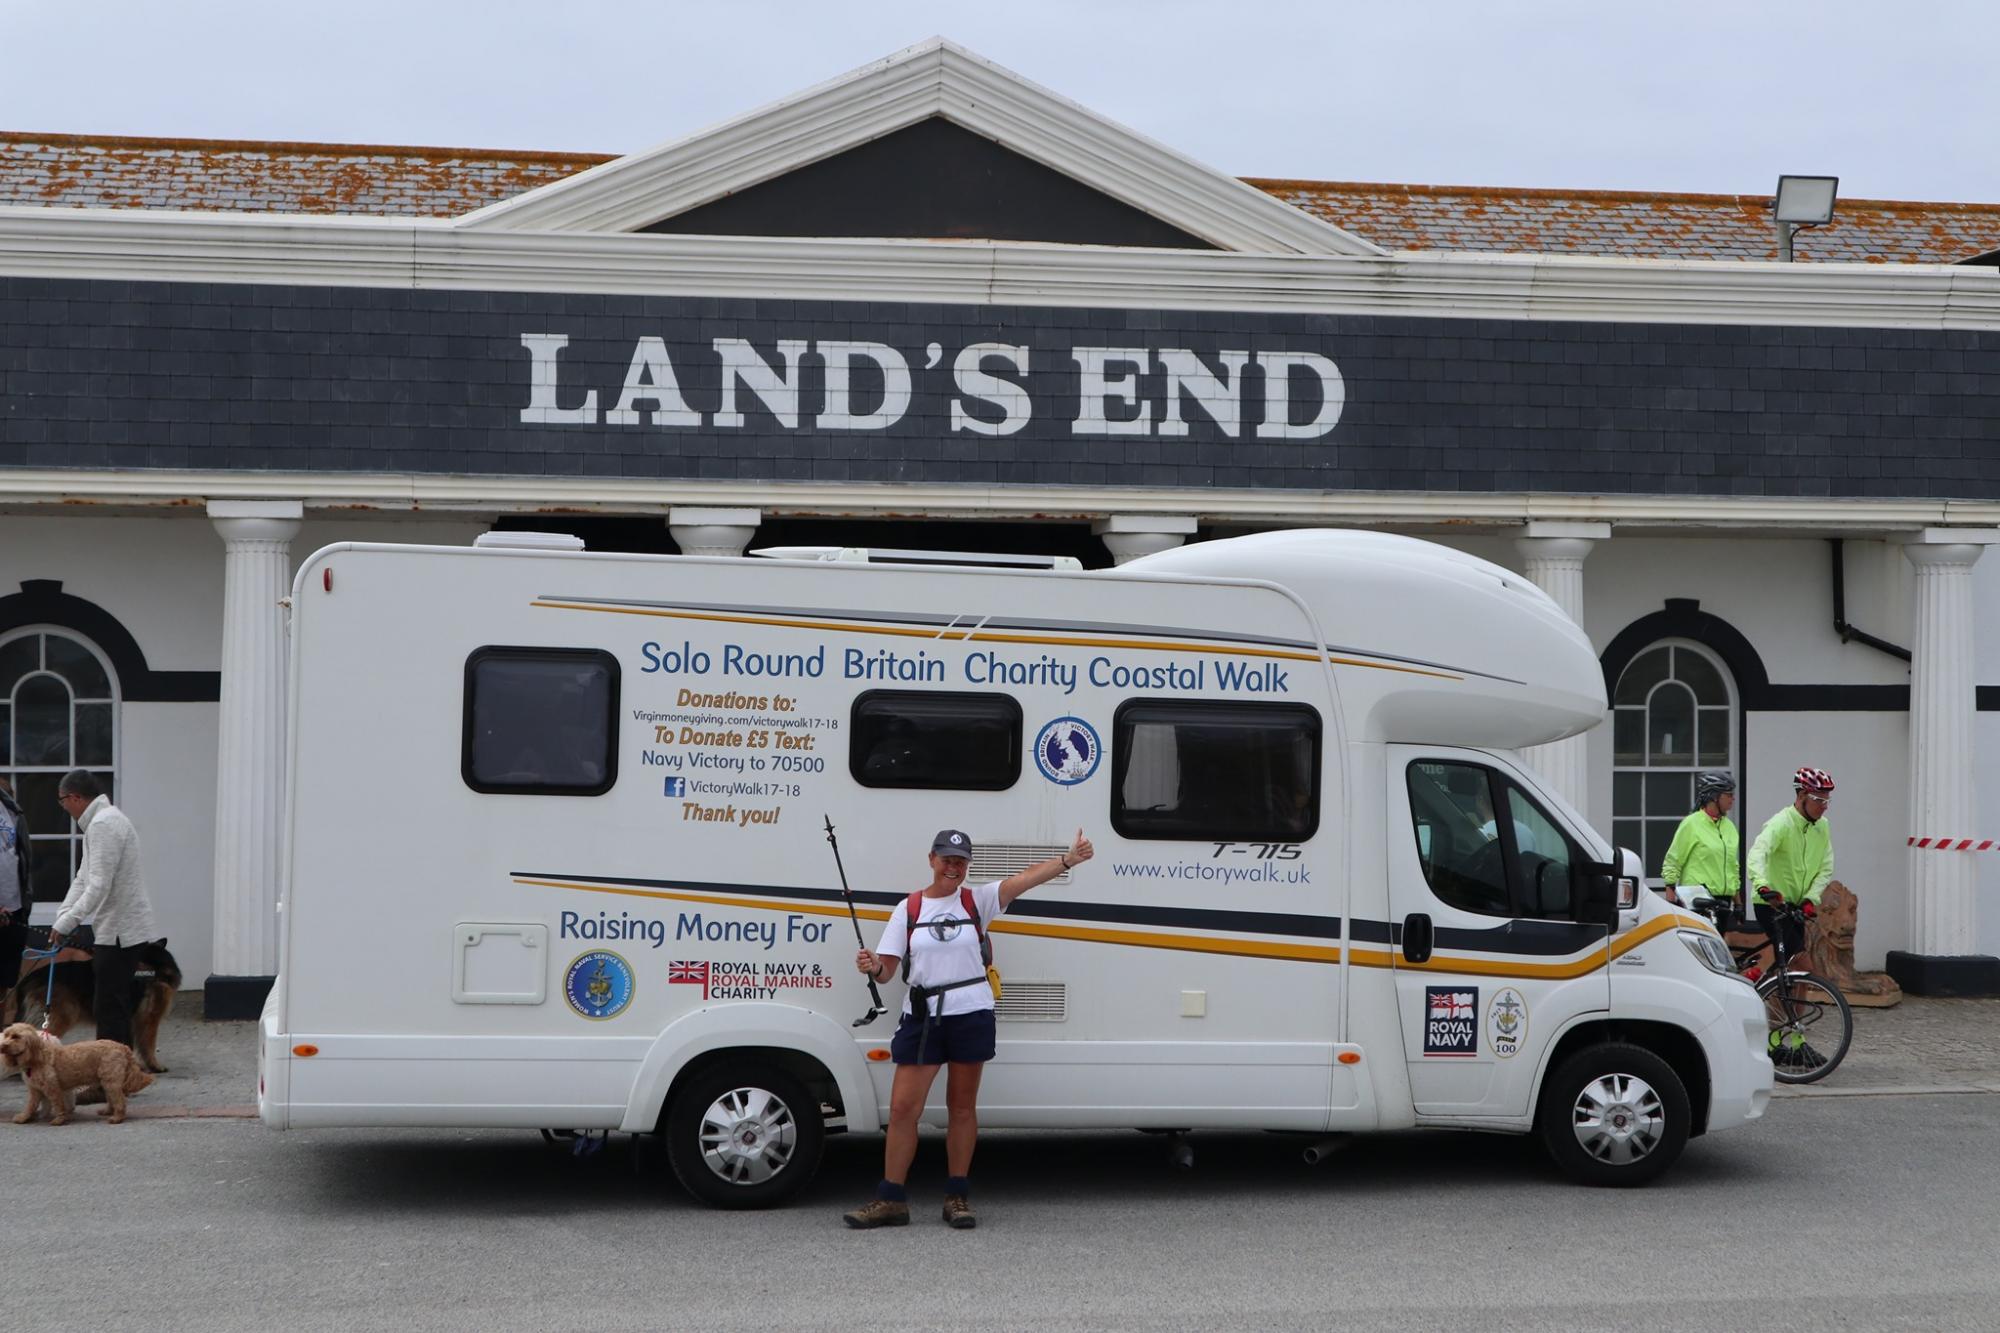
207, 175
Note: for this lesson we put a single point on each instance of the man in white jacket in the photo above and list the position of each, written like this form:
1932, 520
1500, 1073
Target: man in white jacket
108, 893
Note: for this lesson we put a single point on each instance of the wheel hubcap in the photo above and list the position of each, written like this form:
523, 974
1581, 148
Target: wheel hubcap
748, 1136
1619, 1118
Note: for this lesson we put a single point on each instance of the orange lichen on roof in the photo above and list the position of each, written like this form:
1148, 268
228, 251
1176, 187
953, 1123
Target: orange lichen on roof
1638, 225
248, 176
216, 175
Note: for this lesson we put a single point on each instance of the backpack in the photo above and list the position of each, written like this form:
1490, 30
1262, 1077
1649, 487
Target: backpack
913, 907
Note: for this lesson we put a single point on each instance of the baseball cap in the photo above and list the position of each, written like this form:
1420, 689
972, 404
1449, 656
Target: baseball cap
950, 842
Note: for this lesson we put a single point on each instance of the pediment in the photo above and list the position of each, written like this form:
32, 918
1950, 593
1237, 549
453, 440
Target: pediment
1005, 158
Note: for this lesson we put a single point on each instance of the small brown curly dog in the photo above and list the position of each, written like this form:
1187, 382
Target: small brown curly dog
52, 1071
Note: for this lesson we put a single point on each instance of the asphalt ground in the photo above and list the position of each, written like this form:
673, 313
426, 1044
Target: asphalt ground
1854, 1214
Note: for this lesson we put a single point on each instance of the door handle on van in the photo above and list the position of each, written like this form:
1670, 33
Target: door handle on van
1417, 938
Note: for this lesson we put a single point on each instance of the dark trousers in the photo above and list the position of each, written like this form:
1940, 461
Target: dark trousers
13, 939
113, 967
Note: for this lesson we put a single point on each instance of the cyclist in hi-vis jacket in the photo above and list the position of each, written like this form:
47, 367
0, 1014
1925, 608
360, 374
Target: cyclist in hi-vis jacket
1706, 856
1792, 863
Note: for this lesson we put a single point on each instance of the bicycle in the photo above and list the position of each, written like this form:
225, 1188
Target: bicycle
1811, 1023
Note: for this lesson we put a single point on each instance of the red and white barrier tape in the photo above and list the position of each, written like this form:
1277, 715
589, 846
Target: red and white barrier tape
1957, 844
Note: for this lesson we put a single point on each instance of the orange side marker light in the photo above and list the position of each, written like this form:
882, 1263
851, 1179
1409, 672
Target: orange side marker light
305, 1048
878, 1054
1350, 1057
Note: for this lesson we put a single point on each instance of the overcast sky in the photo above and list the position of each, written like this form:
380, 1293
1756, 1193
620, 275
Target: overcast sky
1899, 100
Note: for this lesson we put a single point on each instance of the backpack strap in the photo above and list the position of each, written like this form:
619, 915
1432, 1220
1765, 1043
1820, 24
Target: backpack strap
913, 907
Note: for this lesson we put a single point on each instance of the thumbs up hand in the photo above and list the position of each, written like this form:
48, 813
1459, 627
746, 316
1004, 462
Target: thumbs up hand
1080, 850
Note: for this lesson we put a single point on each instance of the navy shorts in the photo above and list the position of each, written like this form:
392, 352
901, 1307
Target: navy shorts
955, 1039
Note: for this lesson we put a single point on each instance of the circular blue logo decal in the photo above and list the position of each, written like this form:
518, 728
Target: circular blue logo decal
1067, 750
598, 984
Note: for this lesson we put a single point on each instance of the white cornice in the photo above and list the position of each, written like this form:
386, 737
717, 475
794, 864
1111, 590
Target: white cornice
80, 491
933, 78
190, 247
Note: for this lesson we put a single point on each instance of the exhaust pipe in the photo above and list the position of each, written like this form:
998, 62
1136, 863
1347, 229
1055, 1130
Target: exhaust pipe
1325, 1148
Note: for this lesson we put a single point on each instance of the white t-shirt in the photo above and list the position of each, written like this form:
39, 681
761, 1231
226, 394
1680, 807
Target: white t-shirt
947, 947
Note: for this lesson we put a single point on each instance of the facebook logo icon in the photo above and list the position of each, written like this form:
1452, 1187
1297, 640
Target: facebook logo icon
677, 786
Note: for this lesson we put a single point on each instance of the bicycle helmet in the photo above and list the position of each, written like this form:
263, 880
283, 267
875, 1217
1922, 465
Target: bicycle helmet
1708, 786
1816, 780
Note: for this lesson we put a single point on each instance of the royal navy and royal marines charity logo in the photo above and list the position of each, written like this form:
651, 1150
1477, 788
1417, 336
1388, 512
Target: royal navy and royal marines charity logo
1067, 750
598, 984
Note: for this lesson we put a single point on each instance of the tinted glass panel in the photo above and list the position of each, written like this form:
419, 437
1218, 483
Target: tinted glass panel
1659, 837
1700, 675
932, 739
41, 721
93, 733
1714, 734
540, 721
1628, 736
1670, 726
1225, 772
17, 658
1458, 841
1646, 671
74, 663
1669, 794
1545, 858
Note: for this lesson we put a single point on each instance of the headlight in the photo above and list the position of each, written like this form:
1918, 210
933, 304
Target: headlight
1712, 954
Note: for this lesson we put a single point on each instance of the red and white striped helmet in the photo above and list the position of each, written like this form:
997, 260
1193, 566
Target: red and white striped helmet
1812, 779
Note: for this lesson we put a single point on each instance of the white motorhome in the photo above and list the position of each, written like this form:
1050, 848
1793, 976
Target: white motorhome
556, 854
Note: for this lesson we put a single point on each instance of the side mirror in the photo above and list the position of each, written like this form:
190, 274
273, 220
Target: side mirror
1601, 891
1418, 938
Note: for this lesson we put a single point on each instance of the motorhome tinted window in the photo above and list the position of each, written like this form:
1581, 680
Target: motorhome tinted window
1463, 845
932, 739
540, 721
1207, 771
1458, 838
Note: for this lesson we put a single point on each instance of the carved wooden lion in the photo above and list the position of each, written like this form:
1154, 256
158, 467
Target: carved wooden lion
1830, 951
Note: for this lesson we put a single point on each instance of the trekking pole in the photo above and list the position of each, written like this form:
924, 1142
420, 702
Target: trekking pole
878, 1009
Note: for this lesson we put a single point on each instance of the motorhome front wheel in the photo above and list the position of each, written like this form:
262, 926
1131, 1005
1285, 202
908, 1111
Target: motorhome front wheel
744, 1136
1614, 1114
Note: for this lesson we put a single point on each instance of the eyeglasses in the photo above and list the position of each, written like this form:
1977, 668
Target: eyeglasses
1821, 801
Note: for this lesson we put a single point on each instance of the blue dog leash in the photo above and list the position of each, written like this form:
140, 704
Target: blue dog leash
49, 999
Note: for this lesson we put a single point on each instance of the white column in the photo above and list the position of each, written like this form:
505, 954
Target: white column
700, 531
1943, 920
1129, 536
1554, 554
250, 762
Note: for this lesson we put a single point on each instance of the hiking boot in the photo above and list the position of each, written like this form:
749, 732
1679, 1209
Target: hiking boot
1802, 1056
958, 1213
880, 1213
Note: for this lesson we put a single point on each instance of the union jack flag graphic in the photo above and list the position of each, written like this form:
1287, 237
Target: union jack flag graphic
1451, 1004
689, 973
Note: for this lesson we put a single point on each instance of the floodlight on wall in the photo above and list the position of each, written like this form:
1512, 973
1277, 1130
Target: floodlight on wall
1802, 201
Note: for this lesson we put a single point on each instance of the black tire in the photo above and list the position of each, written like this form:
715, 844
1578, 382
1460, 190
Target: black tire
715, 1108
1818, 1012
1614, 1114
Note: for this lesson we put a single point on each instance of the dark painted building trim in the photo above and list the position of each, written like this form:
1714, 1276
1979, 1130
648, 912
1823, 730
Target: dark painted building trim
43, 602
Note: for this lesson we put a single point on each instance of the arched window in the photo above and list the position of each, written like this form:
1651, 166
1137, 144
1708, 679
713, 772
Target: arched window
1673, 715
58, 711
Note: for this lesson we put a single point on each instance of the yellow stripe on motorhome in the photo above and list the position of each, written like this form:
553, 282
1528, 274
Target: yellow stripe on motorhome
1453, 964
992, 636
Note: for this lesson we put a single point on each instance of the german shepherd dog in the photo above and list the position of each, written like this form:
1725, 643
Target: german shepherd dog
155, 979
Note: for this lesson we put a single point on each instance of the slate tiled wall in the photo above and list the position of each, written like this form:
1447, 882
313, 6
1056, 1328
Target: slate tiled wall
128, 374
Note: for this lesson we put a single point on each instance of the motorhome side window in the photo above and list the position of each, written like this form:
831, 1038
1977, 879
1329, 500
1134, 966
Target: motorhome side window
935, 740
1215, 771
1485, 845
540, 721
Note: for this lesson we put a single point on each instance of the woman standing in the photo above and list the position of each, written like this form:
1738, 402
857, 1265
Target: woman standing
947, 1016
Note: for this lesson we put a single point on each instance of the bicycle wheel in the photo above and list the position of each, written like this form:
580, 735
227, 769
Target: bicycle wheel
1812, 1023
